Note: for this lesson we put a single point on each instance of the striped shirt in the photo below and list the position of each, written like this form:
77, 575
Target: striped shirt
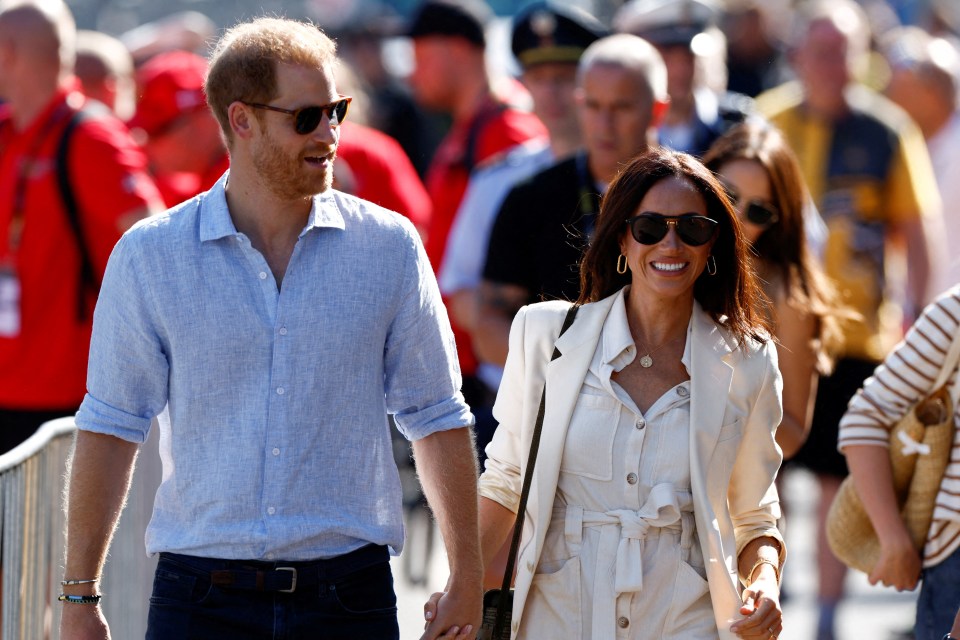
906, 376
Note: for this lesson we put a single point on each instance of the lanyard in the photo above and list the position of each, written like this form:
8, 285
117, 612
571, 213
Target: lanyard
26, 166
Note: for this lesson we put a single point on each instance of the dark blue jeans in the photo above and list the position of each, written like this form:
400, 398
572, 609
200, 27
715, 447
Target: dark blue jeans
344, 598
939, 598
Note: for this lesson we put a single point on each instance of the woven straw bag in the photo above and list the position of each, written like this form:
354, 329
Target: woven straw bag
920, 445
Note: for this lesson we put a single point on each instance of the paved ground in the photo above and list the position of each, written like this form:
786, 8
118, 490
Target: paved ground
869, 612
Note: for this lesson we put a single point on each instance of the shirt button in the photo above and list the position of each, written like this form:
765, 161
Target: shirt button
622, 622
263, 275
515, 626
271, 511
641, 423
529, 566
283, 331
682, 392
632, 478
276, 451
279, 391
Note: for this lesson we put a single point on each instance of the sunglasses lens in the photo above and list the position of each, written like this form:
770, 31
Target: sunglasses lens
760, 214
338, 111
648, 229
308, 120
696, 230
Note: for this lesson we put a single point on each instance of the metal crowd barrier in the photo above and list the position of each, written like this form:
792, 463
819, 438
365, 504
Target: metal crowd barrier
32, 521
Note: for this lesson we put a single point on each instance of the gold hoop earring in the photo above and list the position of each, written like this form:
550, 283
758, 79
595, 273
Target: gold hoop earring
621, 264
711, 265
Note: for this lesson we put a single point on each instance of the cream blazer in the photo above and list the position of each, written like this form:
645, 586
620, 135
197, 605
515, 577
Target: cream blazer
735, 410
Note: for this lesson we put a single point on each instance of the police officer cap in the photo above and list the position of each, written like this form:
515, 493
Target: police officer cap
666, 22
552, 32
464, 18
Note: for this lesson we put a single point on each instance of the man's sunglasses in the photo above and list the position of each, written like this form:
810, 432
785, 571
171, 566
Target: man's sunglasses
651, 228
756, 211
307, 119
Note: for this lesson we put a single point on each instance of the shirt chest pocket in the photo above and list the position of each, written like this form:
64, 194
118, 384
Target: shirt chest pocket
588, 450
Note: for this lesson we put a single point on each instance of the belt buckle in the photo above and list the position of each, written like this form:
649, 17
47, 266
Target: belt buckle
293, 579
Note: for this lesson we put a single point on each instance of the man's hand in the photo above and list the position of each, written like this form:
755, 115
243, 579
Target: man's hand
452, 615
83, 622
447, 464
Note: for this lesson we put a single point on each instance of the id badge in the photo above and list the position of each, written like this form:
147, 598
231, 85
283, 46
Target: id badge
9, 303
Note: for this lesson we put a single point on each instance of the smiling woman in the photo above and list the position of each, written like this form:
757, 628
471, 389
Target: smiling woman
662, 391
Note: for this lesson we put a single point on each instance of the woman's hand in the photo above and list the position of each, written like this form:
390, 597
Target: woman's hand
430, 608
899, 563
761, 607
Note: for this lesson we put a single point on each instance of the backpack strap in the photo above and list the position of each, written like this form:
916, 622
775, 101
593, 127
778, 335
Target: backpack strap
88, 280
487, 114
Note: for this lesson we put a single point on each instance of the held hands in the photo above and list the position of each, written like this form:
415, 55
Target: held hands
451, 616
761, 607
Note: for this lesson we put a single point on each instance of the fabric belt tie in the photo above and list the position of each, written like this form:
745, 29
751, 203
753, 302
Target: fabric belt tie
619, 553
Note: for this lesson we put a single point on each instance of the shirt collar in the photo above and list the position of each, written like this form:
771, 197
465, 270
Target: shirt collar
216, 223
618, 346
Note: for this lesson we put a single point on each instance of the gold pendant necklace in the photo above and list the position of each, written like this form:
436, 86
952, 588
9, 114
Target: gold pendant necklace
647, 361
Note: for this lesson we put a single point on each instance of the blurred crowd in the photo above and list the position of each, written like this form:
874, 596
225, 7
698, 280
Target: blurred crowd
497, 136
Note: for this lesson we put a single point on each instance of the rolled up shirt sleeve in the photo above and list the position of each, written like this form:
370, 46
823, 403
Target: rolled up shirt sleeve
128, 368
752, 496
422, 373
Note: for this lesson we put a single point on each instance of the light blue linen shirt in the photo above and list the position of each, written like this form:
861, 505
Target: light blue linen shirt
273, 430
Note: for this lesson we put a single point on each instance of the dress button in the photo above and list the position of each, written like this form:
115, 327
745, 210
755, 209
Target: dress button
622, 622
283, 331
271, 511
276, 451
632, 478
279, 391
641, 423
263, 275
682, 392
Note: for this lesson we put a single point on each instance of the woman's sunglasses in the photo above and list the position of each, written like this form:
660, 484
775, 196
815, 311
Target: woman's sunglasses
756, 211
651, 228
307, 119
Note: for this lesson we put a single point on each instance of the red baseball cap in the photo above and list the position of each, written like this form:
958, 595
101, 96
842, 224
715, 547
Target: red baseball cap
168, 85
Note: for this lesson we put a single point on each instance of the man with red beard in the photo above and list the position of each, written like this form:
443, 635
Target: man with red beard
272, 323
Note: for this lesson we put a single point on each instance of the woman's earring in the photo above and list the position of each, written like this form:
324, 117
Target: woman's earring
622, 264
711, 265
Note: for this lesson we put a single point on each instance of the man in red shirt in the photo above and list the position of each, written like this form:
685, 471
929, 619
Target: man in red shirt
50, 271
450, 76
182, 139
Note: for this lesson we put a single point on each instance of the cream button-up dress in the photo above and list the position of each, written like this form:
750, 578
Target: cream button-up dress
621, 557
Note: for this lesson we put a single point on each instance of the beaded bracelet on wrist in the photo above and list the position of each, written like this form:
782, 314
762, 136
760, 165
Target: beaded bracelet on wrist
79, 599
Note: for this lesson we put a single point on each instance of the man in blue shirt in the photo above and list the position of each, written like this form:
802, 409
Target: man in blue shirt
272, 323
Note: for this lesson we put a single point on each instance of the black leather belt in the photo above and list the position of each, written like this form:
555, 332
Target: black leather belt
280, 577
